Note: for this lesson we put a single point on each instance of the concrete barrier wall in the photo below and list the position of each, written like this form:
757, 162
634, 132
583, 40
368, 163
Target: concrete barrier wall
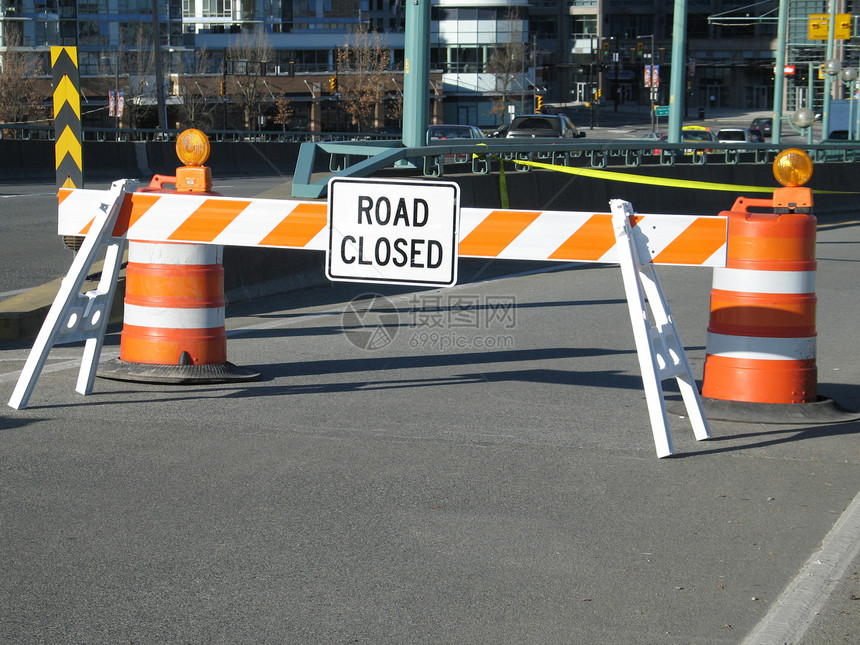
109, 160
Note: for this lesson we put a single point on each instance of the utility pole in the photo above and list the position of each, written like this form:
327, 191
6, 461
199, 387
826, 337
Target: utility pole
677, 87
652, 72
416, 73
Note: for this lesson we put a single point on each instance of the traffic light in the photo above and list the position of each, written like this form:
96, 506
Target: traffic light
332, 84
223, 87
801, 75
640, 48
538, 102
606, 45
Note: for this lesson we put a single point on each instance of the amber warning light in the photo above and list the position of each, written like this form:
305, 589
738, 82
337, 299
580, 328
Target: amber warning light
792, 167
192, 148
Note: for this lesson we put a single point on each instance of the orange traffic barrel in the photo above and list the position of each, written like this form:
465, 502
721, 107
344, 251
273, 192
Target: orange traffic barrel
761, 335
173, 317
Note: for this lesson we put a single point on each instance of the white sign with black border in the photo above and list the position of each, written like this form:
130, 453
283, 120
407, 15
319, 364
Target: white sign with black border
393, 231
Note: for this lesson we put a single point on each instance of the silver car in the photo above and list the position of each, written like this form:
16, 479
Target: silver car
452, 132
532, 126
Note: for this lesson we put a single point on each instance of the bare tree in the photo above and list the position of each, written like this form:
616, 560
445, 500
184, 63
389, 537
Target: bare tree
364, 76
141, 75
286, 112
20, 97
192, 87
507, 62
246, 59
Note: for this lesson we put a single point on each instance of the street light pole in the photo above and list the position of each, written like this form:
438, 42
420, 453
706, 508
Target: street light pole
849, 78
159, 71
779, 72
116, 90
828, 76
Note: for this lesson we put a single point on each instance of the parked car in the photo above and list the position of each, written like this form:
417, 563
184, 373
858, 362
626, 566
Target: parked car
661, 138
697, 134
453, 132
739, 135
763, 124
756, 135
531, 126
444, 131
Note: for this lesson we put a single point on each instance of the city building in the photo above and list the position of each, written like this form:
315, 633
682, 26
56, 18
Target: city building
489, 58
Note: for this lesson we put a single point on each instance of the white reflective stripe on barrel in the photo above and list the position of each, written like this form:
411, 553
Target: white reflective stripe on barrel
748, 281
160, 253
173, 317
753, 347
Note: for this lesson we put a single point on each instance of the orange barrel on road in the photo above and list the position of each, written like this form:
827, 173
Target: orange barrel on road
174, 305
761, 335
173, 319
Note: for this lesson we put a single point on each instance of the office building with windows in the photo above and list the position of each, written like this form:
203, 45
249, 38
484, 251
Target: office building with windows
488, 58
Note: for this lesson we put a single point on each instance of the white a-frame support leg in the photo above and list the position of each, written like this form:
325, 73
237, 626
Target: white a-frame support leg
76, 316
661, 354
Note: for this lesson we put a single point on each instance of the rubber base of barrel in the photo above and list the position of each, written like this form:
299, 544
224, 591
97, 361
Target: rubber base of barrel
823, 410
119, 370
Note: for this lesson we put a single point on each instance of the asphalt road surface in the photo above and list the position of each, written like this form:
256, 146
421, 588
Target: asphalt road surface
470, 465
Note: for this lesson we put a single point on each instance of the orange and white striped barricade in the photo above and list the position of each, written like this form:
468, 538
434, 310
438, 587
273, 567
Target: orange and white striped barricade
615, 237
108, 219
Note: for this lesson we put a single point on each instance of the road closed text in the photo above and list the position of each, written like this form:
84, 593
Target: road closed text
414, 252
402, 232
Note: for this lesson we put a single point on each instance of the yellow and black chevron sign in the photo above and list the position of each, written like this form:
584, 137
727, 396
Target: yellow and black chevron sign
67, 117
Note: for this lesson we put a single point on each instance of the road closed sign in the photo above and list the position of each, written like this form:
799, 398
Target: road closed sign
393, 231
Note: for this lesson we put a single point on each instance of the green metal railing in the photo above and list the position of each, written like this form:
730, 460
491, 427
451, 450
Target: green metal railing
485, 156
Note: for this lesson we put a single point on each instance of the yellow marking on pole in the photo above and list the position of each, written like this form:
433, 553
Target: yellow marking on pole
66, 92
71, 52
68, 144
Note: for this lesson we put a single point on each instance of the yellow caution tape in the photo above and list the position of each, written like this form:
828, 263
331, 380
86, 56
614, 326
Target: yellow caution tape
662, 181
651, 181
654, 181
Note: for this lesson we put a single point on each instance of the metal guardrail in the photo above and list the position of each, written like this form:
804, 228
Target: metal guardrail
484, 156
25, 132
351, 153
600, 152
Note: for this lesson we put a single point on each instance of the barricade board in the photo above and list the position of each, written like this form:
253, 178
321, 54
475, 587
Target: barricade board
635, 242
688, 240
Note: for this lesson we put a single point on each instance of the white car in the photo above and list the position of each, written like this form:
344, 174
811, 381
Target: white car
736, 135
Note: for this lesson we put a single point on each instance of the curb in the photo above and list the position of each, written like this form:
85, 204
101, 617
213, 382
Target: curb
21, 316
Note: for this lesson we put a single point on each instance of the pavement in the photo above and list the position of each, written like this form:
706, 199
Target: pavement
493, 483
340, 501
